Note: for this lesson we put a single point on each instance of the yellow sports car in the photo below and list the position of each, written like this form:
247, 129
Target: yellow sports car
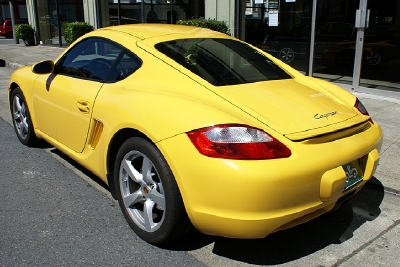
188, 126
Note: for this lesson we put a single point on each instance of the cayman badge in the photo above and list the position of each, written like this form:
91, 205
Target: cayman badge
326, 115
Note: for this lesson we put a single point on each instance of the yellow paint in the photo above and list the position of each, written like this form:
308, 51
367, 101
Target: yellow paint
163, 100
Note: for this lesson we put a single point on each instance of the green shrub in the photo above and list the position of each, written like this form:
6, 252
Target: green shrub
74, 30
212, 24
26, 33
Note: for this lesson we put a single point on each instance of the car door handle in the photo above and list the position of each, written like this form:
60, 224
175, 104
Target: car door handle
83, 106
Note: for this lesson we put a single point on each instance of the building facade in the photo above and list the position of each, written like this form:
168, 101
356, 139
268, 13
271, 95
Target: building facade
324, 38
20, 9
351, 38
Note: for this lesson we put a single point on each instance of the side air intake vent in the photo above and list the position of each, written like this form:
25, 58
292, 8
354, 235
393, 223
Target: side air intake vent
97, 129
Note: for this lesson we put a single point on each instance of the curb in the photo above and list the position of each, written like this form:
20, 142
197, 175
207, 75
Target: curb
14, 65
378, 186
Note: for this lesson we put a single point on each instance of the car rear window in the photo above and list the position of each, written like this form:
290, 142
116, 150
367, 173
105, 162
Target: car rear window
222, 61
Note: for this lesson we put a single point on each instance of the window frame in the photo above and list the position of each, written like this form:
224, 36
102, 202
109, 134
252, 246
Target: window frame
59, 66
222, 61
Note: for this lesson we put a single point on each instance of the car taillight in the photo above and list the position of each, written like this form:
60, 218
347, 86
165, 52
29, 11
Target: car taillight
232, 141
358, 105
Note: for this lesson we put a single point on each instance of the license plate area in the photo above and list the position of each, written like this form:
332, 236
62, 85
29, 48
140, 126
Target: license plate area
353, 174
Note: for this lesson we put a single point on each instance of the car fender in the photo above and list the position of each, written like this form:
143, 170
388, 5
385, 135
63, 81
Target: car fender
332, 90
24, 78
140, 109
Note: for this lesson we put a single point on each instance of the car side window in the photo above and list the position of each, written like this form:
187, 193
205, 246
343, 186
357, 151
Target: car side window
341, 29
126, 64
92, 59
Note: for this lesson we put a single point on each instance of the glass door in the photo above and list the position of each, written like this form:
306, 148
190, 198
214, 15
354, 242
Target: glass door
335, 40
380, 64
359, 48
281, 28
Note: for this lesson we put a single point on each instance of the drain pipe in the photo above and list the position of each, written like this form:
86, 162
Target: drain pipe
310, 70
361, 24
13, 21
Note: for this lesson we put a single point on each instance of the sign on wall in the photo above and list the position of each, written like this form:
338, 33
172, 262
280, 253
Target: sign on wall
273, 4
273, 18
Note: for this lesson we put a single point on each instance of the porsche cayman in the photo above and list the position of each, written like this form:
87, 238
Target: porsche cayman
190, 127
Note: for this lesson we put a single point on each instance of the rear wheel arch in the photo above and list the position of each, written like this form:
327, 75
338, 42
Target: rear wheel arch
116, 142
148, 194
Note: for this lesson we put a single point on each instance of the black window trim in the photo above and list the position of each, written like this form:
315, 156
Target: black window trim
123, 51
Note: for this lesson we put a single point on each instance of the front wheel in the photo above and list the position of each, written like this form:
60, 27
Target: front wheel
372, 58
286, 54
148, 193
21, 119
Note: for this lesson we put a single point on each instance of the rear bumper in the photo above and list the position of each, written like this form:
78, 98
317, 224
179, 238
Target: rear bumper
251, 199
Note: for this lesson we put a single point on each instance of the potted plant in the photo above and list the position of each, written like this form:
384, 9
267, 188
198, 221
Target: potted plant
211, 24
74, 30
26, 33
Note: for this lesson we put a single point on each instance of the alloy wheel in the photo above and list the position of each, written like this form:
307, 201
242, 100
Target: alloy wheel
286, 54
20, 117
372, 58
142, 191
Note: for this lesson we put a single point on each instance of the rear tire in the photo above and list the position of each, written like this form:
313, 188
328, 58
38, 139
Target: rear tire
148, 194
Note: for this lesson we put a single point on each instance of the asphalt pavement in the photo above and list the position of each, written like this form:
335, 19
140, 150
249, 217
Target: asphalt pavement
371, 236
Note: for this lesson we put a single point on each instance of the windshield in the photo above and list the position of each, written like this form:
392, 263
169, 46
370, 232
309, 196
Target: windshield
222, 61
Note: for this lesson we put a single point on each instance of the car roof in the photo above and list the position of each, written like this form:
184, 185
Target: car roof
145, 31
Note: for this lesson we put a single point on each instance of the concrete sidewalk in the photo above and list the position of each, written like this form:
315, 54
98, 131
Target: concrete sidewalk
383, 106
17, 55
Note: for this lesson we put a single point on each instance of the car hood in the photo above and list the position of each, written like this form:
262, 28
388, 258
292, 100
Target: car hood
292, 109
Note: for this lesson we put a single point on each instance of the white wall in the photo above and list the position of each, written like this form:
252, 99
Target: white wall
222, 10
89, 12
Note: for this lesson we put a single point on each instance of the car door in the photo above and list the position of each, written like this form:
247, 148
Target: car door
64, 100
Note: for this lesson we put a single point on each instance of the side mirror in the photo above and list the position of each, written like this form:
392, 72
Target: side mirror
43, 67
